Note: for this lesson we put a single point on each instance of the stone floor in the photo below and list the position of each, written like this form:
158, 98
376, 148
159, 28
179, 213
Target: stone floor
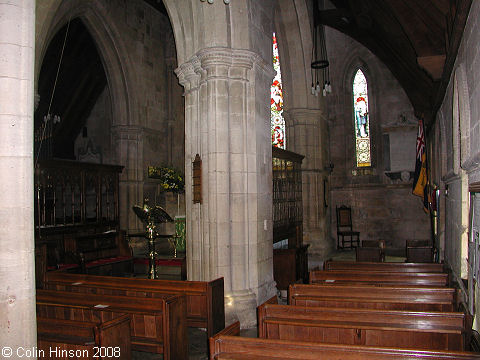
349, 255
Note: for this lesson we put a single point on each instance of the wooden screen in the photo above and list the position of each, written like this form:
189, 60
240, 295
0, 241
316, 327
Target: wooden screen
72, 193
287, 196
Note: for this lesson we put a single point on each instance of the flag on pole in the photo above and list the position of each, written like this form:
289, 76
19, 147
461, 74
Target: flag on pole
420, 178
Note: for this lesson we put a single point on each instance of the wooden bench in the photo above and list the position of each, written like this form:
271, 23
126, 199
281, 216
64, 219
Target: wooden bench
389, 328
226, 347
384, 266
373, 297
371, 250
205, 299
105, 253
157, 324
420, 251
378, 278
84, 339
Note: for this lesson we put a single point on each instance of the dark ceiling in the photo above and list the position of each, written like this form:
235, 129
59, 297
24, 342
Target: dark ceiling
73, 93
417, 40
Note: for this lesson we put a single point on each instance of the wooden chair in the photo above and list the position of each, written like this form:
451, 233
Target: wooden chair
344, 228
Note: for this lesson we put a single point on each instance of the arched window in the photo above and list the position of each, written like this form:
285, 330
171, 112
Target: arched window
362, 121
276, 103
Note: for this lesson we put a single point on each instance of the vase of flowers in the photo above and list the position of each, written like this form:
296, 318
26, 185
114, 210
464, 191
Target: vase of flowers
170, 179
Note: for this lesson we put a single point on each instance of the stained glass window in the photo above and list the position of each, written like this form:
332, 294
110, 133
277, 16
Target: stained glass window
276, 103
362, 123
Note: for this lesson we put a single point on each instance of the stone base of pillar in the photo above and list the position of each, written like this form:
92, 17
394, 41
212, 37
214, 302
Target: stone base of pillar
241, 306
321, 247
266, 291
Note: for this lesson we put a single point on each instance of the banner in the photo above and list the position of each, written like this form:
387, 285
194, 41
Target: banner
420, 178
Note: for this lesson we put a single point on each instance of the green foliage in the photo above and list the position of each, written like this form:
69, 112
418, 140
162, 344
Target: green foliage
170, 179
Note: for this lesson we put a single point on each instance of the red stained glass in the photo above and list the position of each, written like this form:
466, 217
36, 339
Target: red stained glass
276, 103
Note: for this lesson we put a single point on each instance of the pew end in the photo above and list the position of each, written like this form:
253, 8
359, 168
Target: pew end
231, 330
89, 338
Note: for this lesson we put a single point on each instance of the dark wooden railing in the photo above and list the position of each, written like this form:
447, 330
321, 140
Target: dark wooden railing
71, 193
76, 203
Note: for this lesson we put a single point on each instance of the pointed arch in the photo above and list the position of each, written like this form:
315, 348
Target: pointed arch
362, 119
112, 51
352, 65
461, 116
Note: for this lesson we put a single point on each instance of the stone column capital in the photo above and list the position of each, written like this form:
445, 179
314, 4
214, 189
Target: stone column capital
218, 62
127, 131
189, 74
302, 116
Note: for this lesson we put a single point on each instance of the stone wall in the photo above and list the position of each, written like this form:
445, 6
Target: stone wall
456, 154
138, 121
380, 195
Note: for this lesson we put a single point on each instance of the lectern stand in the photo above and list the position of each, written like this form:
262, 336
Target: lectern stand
151, 216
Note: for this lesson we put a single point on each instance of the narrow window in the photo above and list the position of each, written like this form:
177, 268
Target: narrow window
276, 102
362, 123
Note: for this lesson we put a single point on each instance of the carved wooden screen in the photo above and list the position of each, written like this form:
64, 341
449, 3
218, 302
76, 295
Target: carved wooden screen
287, 196
73, 193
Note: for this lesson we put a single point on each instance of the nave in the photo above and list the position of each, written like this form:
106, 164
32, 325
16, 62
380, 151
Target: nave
395, 310
408, 316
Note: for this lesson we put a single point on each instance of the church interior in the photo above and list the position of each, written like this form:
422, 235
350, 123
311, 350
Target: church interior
297, 179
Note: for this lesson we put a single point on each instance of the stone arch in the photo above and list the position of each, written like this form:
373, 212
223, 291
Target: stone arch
355, 63
295, 48
182, 29
112, 51
443, 145
461, 96
456, 148
460, 126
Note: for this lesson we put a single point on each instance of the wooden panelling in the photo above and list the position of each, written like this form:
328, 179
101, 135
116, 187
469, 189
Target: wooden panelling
373, 297
224, 347
151, 318
204, 300
377, 278
403, 329
61, 339
385, 266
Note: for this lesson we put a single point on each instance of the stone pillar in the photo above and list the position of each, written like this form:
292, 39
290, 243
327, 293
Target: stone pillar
227, 123
128, 140
17, 268
307, 135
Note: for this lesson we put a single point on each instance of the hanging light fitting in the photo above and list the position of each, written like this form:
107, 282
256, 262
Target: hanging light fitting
226, 2
319, 58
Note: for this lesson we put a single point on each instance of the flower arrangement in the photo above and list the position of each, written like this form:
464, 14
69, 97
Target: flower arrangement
170, 178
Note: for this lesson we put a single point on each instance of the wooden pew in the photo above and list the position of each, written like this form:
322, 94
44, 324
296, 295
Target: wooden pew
105, 253
157, 324
420, 251
389, 328
205, 299
91, 340
378, 278
371, 250
373, 297
384, 266
224, 347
